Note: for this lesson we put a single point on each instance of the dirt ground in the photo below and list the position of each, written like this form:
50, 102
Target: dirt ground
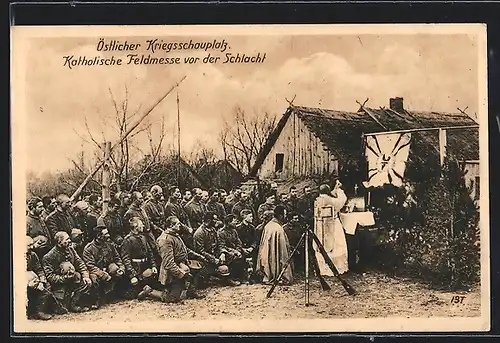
378, 296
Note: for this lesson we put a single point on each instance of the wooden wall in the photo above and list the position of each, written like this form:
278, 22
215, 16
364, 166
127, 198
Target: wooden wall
304, 154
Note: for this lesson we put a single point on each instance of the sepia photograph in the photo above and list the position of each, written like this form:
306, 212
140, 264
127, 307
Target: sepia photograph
257, 178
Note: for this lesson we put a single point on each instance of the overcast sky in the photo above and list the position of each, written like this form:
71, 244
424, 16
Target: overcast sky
437, 73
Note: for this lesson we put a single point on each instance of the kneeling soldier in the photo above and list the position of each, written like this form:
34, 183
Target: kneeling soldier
104, 264
138, 259
175, 275
232, 248
38, 288
206, 243
68, 288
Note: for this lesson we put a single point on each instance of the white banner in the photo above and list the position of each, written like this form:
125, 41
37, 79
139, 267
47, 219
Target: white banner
387, 155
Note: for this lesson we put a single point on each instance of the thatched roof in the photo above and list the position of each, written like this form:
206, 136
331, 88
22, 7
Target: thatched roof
341, 132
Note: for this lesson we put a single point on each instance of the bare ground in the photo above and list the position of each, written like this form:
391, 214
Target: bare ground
378, 296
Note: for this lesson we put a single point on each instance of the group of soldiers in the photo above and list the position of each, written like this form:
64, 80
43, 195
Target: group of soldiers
149, 246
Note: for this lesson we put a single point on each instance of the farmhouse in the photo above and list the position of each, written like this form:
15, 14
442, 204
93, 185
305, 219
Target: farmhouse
314, 142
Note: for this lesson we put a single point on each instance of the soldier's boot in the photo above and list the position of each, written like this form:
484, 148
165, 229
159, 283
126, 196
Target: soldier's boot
75, 304
191, 289
41, 307
146, 291
192, 294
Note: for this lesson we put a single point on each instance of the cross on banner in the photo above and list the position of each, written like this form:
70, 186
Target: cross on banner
387, 155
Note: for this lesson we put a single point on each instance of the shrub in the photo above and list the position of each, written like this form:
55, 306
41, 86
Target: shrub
432, 228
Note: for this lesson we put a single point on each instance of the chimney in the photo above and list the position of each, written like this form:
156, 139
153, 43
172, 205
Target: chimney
396, 104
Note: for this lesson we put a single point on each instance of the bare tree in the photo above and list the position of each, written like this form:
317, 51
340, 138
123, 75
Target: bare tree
120, 119
244, 137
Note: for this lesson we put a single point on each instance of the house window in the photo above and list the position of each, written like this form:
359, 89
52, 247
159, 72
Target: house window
279, 162
476, 188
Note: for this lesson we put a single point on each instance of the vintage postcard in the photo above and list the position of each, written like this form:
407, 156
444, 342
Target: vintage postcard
278, 178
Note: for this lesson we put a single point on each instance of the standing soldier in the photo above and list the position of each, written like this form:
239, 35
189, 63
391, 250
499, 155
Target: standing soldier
241, 205
138, 259
194, 209
113, 222
67, 274
38, 287
292, 203
49, 205
60, 219
269, 205
93, 212
80, 215
174, 206
232, 199
155, 211
104, 264
213, 205
36, 228
188, 195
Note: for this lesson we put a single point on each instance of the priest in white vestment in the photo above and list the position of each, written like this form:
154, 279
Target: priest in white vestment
329, 230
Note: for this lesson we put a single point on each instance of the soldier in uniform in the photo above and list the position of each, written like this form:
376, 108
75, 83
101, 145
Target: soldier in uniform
243, 204
49, 205
175, 208
104, 264
60, 219
206, 243
80, 215
194, 209
69, 289
175, 275
38, 287
269, 205
136, 210
93, 212
232, 247
36, 228
138, 259
155, 211
113, 222
213, 205
188, 195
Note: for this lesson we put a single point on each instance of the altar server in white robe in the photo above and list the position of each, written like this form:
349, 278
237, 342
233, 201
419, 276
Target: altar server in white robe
329, 230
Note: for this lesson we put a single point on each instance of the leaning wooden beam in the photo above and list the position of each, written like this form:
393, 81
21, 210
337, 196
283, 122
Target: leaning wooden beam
367, 111
129, 131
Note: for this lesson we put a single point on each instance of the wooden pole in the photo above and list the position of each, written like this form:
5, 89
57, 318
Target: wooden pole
106, 178
132, 128
442, 146
178, 142
423, 129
